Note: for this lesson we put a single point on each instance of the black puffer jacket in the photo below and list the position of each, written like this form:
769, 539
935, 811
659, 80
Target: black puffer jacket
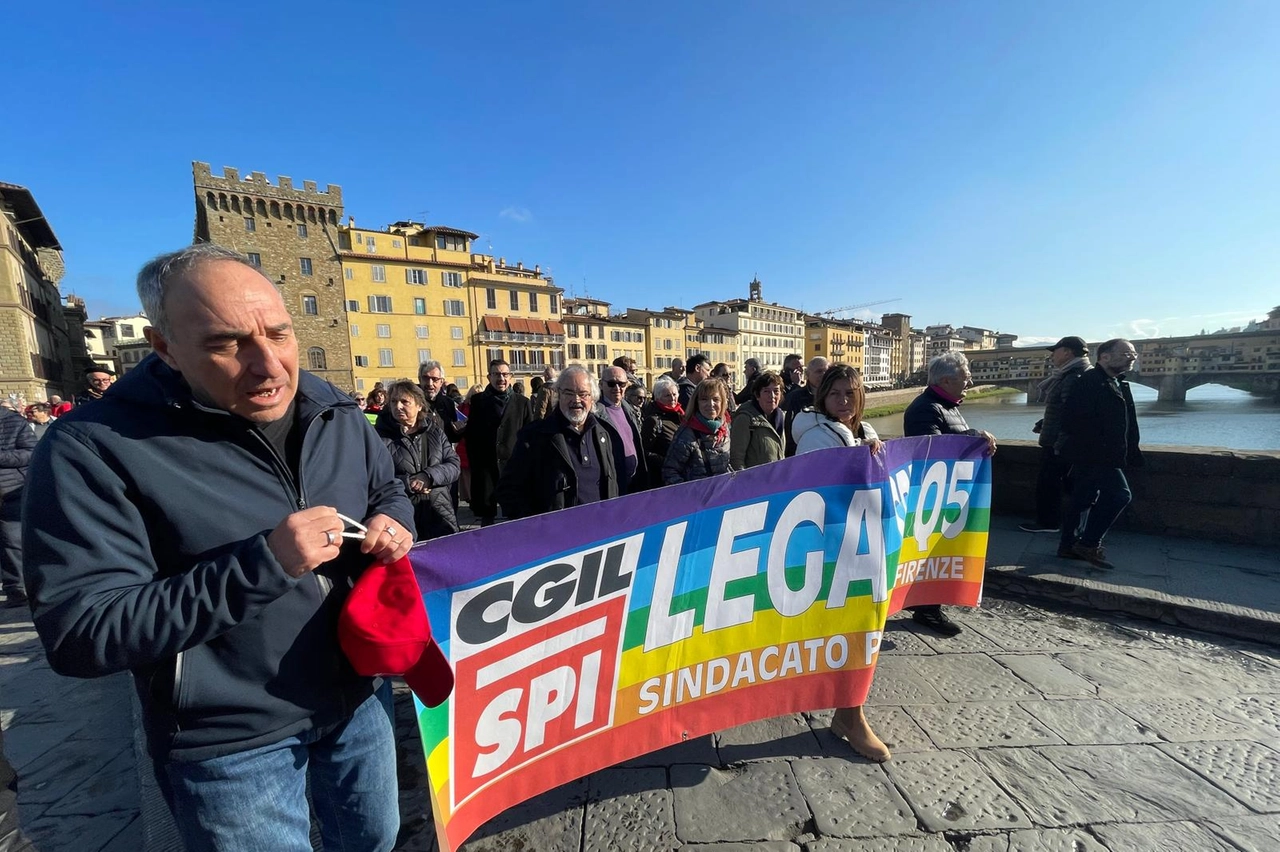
695, 455
1099, 423
1051, 425
933, 414
145, 548
541, 476
17, 440
425, 456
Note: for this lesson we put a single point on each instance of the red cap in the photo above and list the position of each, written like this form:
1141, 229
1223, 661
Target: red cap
384, 630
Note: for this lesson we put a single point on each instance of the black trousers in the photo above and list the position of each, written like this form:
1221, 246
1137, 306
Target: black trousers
11, 542
1051, 487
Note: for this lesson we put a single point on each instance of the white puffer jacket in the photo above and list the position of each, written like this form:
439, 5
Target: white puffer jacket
815, 431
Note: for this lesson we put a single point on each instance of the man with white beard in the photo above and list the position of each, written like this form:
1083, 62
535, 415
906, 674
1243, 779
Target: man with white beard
563, 460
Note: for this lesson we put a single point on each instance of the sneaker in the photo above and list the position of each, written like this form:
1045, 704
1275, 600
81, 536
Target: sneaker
1094, 555
1068, 552
937, 621
15, 598
1037, 528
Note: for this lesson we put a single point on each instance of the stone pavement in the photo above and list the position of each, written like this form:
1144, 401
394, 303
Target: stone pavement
1046, 725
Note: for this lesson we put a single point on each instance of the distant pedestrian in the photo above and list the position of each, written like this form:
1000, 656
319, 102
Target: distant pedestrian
623, 424
936, 411
750, 372
424, 459
17, 441
97, 379
1099, 439
792, 370
660, 420
39, 416
1069, 358
800, 397
497, 416
544, 399
696, 369
58, 406
637, 396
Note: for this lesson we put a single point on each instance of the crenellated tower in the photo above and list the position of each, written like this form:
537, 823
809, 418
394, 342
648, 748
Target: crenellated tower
291, 234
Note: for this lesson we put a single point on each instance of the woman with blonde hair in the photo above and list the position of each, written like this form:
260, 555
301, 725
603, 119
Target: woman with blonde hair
836, 421
700, 447
424, 459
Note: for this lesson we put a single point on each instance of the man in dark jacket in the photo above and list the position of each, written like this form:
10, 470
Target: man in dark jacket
1069, 358
431, 381
563, 460
17, 440
1099, 439
97, 379
936, 411
497, 416
623, 422
186, 527
697, 368
800, 397
750, 372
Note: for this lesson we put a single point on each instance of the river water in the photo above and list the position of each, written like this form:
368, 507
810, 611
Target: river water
1212, 416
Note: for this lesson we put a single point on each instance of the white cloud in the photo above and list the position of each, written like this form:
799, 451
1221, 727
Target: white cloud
516, 214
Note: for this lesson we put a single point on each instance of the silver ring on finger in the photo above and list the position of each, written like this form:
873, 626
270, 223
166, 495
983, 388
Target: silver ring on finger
391, 531
330, 537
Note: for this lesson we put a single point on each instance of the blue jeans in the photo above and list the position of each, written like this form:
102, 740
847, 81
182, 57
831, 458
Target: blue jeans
1098, 496
256, 799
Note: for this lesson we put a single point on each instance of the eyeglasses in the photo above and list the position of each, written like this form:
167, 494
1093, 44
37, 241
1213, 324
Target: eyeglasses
576, 394
434, 379
614, 383
501, 375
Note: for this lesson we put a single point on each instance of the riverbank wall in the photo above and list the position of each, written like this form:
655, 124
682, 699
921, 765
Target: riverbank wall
1187, 492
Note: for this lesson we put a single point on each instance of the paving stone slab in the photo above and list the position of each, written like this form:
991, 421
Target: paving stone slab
852, 799
1188, 720
916, 843
1262, 710
114, 787
1038, 840
896, 682
777, 738
63, 768
899, 641
968, 641
1256, 833
759, 846
24, 744
1089, 721
1161, 837
1120, 674
549, 822
747, 802
701, 750
630, 809
1247, 770
77, 834
1016, 626
981, 724
1046, 675
949, 791
971, 677
1156, 785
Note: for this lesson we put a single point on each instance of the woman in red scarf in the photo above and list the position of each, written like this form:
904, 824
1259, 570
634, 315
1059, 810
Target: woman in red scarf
701, 446
660, 420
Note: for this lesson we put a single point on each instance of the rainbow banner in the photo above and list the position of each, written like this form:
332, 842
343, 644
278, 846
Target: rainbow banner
592, 635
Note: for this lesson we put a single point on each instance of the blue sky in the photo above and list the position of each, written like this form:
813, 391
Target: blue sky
1091, 168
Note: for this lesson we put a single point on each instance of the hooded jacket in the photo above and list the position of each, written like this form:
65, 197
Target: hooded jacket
816, 431
146, 549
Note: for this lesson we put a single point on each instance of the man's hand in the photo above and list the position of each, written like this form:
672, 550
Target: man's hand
306, 540
386, 541
991, 442
417, 486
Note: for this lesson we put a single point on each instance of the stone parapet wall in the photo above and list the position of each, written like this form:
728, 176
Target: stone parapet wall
1188, 492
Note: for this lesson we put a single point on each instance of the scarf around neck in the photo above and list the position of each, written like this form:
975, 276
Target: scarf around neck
674, 408
698, 423
1045, 388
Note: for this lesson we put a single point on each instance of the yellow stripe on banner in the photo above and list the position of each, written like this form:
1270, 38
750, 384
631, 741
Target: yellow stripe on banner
438, 766
965, 544
767, 628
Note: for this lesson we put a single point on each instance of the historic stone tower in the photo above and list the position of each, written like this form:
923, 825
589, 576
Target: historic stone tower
292, 235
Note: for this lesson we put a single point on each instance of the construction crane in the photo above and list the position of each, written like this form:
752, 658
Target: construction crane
830, 314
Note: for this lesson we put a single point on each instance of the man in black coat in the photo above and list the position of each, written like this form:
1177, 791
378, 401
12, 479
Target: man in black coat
431, 381
17, 440
936, 411
564, 460
750, 372
1070, 358
697, 368
1099, 440
497, 416
97, 379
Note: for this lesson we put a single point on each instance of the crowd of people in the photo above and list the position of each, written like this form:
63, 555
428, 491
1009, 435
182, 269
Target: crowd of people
202, 521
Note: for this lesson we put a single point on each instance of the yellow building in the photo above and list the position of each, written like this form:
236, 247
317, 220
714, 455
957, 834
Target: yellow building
839, 341
671, 332
407, 301
519, 319
417, 293
594, 338
720, 345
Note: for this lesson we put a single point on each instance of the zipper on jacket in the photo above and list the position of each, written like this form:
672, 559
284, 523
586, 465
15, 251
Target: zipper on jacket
177, 689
